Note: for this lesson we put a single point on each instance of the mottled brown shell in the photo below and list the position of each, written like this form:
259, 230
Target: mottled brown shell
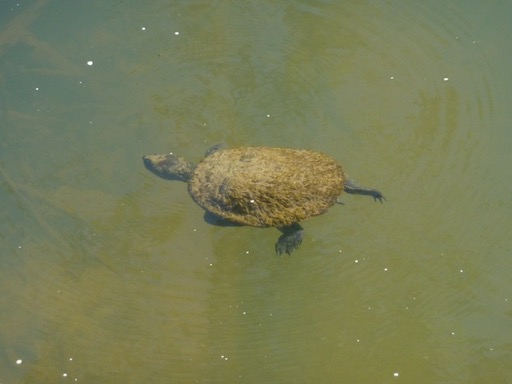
266, 187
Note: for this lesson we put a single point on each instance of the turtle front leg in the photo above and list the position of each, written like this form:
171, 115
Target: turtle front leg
290, 239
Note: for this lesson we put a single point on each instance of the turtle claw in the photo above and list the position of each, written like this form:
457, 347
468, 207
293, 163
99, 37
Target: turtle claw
377, 195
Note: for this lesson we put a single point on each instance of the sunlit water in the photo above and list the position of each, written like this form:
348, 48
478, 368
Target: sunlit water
110, 274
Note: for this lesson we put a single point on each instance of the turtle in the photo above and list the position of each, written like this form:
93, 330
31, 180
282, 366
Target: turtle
261, 186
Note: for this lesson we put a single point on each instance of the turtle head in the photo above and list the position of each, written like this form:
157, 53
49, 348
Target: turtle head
169, 166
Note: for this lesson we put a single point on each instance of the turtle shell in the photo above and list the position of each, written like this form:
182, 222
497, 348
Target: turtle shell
266, 187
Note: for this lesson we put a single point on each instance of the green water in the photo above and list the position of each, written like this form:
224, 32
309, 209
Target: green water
109, 274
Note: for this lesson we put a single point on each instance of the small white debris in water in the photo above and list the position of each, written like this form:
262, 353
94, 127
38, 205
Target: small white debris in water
37, 88
176, 33
356, 261
385, 269
268, 115
64, 375
246, 252
90, 62
143, 28
252, 201
392, 77
445, 79
453, 333
19, 361
395, 374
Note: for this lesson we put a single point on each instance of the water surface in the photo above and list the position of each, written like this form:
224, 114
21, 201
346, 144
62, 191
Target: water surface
110, 274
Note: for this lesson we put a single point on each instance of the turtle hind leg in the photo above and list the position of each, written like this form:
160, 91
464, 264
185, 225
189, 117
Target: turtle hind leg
351, 187
290, 239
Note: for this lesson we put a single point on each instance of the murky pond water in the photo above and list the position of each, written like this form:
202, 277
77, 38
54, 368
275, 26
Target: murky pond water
110, 274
